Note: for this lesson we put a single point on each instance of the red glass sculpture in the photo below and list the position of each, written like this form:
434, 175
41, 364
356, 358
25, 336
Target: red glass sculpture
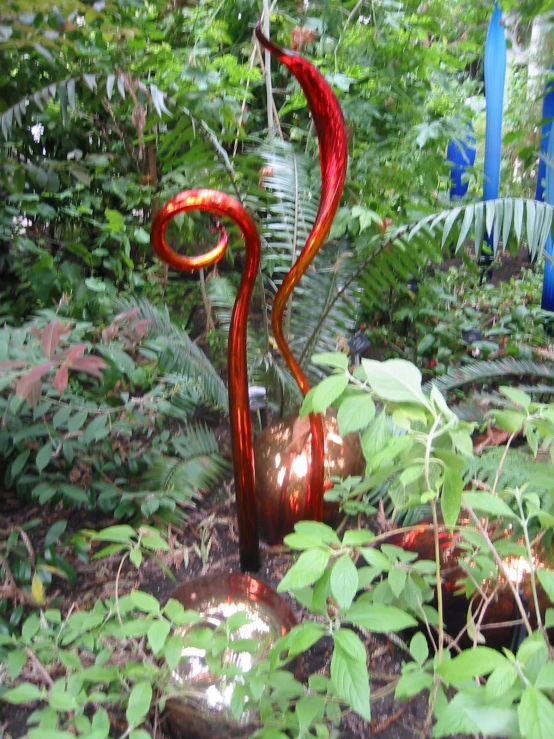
203, 708
501, 622
333, 151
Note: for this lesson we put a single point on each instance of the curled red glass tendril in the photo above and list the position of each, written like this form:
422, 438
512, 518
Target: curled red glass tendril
329, 124
333, 159
239, 406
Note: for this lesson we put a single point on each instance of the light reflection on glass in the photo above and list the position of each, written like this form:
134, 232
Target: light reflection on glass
203, 706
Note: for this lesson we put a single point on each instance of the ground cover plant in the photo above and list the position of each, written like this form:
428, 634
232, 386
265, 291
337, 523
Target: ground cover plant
113, 432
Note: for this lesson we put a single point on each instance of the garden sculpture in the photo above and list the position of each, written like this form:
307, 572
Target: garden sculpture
333, 153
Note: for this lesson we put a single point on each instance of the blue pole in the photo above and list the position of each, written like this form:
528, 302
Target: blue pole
546, 177
495, 75
461, 154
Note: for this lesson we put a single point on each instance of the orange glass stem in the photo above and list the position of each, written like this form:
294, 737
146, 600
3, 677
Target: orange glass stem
333, 158
239, 406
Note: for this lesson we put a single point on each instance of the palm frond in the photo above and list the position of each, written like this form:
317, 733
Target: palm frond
518, 468
178, 356
480, 372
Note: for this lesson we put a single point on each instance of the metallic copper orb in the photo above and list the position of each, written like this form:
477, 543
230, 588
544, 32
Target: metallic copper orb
282, 457
501, 623
204, 709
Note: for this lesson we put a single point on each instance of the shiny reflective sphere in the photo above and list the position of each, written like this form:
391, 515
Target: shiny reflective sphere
282, 457
203, 710
501, 622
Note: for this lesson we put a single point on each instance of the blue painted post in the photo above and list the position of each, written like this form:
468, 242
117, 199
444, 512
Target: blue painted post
495, 76
461, 154
545, 173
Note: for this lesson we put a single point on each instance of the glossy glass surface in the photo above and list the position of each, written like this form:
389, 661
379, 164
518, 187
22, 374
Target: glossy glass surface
282, 457
204, 710
333, 159
239, 407
502, 608
329, 124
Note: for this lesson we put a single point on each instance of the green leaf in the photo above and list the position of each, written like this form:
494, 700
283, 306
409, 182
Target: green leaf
397, 580
546, 579
309, 568
115, 220
378, 618
24, 693
419, 648
328, 391
509, 420
412, 683
451, 498
516, 396
344, 581
349, 673
331, 359
500, 680
139, 702
395, 379
309, 709
121, 533
54, 533
355, 413
43, 457
173, 651
535, 714
357, 537
300, 638
157, 634
488, 503
321, 531
145, 602
545, 678
471, 663
15, 662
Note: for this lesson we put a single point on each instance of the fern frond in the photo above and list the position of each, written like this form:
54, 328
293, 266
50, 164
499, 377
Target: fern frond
481, 372
517, 469
178, 356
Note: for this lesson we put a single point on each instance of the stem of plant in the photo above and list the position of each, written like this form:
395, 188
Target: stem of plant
524, 522
500, 564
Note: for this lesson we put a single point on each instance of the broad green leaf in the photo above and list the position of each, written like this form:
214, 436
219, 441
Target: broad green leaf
355, 413
488, 503
15, 662
157, 634
509, 420
54, 533
173, 651
308, 709
300, 638
395, 379
121, 533
378, 618
321, 531
412, 683
419, 648
471, 663
500, 680
349, 673
536, 715
546, 579
545, 678
397, 579
328, 391
309, 568
451, 498
145, 602
139, 702
516, 396
357, 537
344, 581
24, 693
43, 457
331, 359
